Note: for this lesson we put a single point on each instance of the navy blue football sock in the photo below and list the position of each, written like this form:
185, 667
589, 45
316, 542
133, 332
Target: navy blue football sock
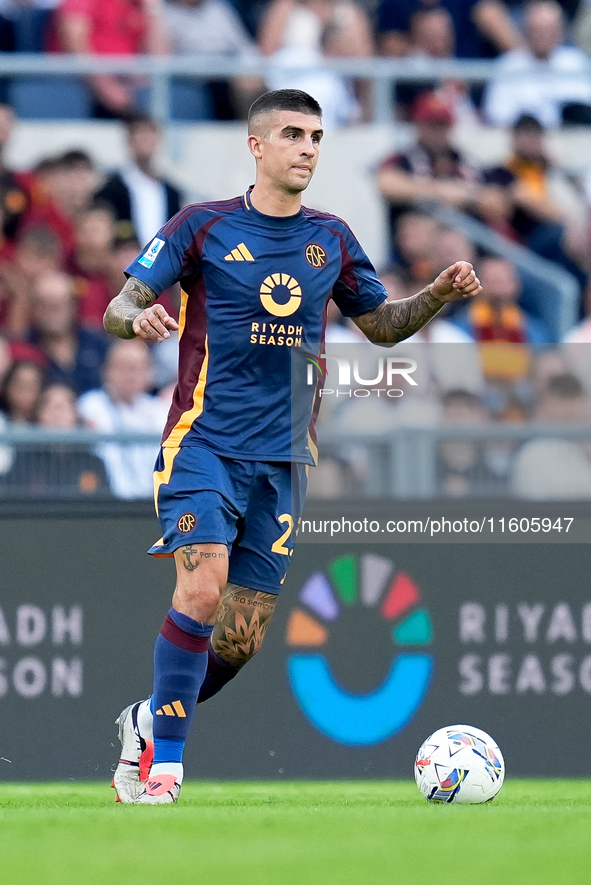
219, 673
180, 664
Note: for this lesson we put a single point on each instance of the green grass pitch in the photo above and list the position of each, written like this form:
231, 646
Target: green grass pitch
337, 833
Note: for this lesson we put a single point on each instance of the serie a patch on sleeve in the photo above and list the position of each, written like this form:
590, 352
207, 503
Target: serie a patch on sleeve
151, 253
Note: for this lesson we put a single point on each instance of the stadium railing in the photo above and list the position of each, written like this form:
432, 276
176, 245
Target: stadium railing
384, 73
402, 464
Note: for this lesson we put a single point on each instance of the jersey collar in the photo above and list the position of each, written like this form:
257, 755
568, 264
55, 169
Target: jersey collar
270, 220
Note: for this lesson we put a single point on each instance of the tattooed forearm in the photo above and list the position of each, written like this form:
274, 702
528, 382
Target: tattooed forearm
242, 621
393, 321
134, 297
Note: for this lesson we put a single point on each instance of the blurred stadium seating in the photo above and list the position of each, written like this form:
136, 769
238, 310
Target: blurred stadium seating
51, 95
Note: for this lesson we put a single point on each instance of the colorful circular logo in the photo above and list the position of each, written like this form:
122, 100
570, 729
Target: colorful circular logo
366, 582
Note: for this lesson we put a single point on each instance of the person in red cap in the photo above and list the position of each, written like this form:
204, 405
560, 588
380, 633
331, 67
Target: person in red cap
431, 170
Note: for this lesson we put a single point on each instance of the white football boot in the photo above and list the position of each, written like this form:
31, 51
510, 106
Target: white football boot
159, 789
137, 751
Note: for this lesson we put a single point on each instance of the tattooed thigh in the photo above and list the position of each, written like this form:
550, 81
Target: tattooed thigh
242, 621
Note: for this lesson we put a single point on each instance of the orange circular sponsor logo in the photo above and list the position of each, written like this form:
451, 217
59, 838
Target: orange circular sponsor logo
315, 255
186, 522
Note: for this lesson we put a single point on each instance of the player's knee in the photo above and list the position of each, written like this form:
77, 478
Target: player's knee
198, 600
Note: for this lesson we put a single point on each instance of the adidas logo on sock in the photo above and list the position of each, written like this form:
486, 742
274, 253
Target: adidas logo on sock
174, 709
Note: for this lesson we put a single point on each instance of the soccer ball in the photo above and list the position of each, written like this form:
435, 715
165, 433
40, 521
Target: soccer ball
459, 764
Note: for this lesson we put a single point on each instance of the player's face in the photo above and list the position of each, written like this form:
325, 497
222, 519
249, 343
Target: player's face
288, 151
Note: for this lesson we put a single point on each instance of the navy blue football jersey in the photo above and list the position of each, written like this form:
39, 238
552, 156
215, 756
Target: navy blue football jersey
254, 291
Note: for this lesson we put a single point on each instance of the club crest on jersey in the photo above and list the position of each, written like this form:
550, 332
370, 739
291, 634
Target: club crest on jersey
281, 281
151, 253
186, 523
315, 255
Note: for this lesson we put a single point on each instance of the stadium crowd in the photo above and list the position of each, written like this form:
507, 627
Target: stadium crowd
69, 228
533, 41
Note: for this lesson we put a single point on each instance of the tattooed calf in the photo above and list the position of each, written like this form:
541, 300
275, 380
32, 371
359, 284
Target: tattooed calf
242, 621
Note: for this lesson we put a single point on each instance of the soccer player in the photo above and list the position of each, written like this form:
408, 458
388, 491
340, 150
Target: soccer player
256, 274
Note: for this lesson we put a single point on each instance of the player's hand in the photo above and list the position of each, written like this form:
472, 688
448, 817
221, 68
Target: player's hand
456, 282
153, 324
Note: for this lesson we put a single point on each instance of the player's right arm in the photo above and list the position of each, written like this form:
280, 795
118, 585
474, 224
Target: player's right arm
131, 314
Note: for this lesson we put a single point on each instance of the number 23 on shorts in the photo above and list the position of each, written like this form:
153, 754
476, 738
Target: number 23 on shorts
279, 545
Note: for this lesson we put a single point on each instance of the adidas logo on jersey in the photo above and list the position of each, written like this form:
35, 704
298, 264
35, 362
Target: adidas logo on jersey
240, 253
174, 709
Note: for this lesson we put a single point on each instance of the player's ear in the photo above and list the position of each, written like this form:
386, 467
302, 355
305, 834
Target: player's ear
254, 145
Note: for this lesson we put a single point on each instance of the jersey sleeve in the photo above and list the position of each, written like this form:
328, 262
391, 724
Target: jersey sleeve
358, 289
171, 256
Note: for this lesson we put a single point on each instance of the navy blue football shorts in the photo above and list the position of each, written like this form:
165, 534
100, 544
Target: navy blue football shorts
253, 507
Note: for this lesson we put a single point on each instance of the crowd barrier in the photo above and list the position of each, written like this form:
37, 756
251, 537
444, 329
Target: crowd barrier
60, 77
400, 463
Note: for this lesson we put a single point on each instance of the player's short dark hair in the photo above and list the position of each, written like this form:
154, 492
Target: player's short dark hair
284, 100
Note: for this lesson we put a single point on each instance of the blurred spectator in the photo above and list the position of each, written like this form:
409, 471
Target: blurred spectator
75, 355
29, 23
581, 26
495, 314
504, 331
546, 210
111, 27
38, 250
432, 35
462, 469
482, 27
431, 169
89, 262
548, 469
211, 27
449, 244
339, 330
142, 201
300, 34
19, 392
451, 361
544, 78
56, 469
64, 188
124, 251
124, 404
414, 237
16, 188
392, 277
6, 357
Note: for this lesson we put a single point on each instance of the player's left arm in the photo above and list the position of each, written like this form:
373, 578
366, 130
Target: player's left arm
393, 321
131, 314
